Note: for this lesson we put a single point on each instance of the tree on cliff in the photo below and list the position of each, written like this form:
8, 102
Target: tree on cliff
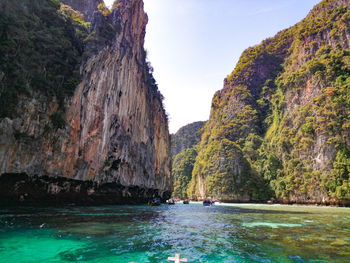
285, 110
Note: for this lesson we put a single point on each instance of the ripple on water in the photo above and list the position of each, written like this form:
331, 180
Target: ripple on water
269, 224
142, 234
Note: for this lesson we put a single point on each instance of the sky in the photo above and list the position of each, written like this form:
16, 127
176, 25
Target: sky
194, 44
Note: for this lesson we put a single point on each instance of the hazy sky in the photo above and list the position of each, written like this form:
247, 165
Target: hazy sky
194, 44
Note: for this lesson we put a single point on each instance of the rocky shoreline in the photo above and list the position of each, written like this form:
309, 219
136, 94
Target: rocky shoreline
20, 189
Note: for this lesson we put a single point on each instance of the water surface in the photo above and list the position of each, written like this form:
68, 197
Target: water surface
222, 233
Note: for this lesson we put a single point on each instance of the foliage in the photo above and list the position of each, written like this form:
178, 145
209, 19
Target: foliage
270, 52
338, 184
294, 136
116, 4
76, 16
103, 9
186, 137
57, 121
284, 106
229, 174
41, 49
182, 171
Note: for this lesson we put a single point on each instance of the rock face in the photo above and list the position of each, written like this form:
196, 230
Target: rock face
186, 137
113, 128
87, 8
184, 148
280, 126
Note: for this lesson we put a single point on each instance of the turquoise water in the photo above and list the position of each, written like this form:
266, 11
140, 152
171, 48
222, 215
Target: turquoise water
222, 233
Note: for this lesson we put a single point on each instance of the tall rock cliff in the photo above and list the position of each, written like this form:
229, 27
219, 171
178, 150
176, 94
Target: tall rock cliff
186, 137
184, 148
94, 131
280, 126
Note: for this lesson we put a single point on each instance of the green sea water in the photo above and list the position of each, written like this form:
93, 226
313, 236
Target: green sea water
221, 233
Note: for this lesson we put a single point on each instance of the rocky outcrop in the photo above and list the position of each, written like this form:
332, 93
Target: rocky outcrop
87, 8
186, 137
112, 130
279, 128
184, 147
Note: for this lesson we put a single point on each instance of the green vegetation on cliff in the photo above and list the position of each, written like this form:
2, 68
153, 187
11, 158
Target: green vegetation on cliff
41, 48
280, 126
186, 137
297, 137
184, 150
182, 171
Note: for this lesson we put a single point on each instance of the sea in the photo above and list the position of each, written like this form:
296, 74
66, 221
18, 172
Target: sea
219, 233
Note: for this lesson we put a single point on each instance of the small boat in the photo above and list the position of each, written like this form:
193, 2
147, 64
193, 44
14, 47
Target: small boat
186, 201
207, 202
171, 202
155, 202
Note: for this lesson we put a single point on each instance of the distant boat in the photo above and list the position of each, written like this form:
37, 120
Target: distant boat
155, 202
186, 201
171, 202
207, 202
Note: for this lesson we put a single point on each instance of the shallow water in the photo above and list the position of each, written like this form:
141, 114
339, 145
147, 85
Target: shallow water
222, 233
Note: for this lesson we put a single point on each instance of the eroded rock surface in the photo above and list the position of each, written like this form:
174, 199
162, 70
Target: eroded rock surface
115, 129
285, 112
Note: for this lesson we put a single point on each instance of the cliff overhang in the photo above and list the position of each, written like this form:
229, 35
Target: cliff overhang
21, 189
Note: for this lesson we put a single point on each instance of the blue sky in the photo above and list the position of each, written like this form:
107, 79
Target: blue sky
194, 44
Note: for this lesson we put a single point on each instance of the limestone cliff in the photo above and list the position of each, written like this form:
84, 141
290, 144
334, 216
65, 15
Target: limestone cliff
280, 126
110, 129
184, 148
186, 137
